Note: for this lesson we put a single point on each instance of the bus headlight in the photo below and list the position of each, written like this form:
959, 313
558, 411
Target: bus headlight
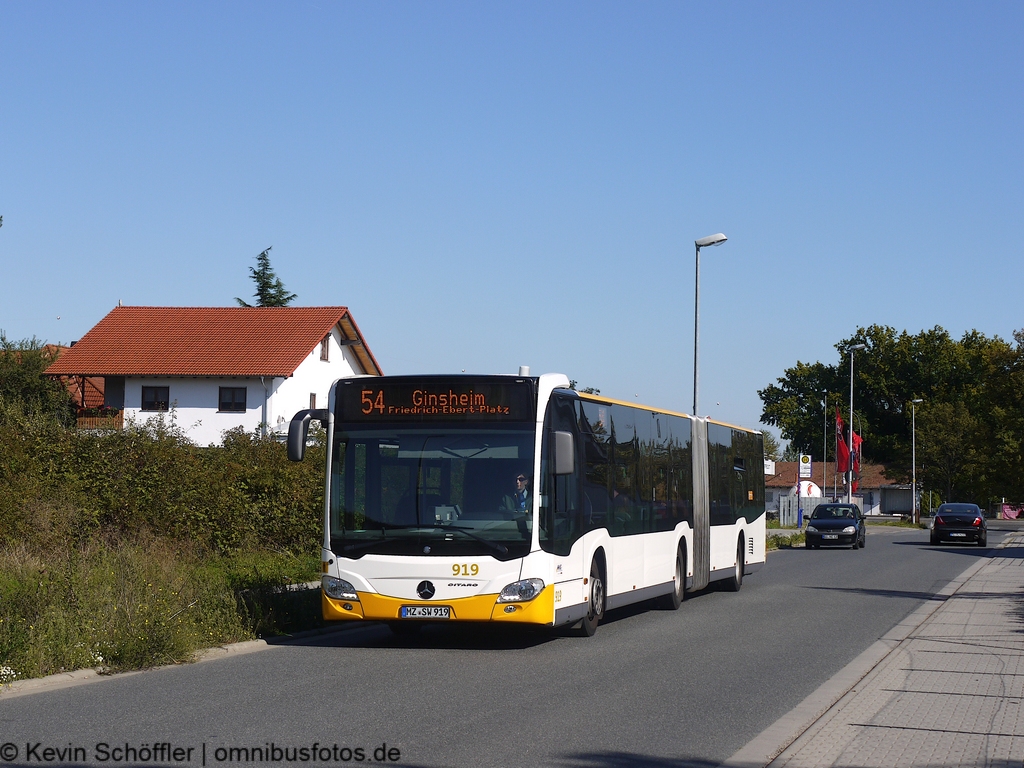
338, 589
521, 591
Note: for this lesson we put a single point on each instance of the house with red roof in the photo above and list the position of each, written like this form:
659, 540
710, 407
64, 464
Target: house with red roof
876, 493
212, 369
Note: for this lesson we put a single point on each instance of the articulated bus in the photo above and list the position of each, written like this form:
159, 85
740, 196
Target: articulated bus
517, 499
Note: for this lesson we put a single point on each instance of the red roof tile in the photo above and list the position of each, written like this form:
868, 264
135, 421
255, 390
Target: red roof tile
207, 341
871, 475
86, 391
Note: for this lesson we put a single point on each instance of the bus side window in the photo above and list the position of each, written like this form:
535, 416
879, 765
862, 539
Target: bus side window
597, 479
720, 472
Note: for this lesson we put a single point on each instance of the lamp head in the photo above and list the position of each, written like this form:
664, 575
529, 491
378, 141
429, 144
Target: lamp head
915, 402
857, 347
704, 242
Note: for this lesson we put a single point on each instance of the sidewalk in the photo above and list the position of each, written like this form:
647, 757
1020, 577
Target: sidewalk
944, 688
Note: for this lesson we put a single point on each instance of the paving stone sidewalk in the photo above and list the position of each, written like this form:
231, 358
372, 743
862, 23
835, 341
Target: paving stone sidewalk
949, 693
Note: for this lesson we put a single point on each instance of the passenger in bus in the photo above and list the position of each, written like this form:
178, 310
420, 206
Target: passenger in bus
520, 501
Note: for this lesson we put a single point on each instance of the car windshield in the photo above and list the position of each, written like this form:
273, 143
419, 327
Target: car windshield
824, 512
425, 490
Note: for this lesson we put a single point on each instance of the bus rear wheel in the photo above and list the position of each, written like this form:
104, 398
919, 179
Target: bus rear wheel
734, 582
595, 609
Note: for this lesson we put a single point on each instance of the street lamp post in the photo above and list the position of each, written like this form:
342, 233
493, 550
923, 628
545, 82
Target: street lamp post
704, 242
849, 480
916, 515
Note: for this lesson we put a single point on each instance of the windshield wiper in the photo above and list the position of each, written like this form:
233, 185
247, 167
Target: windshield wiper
383, 527
501, 549
356, 546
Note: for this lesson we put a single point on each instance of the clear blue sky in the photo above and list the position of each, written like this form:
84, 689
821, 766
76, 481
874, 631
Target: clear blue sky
487, 185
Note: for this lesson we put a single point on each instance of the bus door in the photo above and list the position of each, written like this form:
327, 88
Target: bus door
560, 518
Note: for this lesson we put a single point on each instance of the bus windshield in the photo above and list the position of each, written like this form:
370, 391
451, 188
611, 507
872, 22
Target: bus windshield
431, 490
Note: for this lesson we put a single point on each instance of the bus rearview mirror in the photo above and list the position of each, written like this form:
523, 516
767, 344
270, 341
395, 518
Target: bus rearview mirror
298, 431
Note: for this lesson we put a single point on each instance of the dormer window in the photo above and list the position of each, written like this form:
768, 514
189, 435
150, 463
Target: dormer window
325, 348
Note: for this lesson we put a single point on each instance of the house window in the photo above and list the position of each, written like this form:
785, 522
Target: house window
325, 348
232, 399
312, 401
155, 398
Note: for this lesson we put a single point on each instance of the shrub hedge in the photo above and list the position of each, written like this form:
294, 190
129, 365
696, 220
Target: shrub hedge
134, 547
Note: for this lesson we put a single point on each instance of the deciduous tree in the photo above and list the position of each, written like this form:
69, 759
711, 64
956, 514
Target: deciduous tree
972, 392
23, 382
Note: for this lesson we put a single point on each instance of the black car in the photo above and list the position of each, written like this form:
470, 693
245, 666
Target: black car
959, 523
835, 524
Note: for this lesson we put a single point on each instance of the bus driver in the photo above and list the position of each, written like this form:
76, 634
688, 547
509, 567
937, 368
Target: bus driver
520, 501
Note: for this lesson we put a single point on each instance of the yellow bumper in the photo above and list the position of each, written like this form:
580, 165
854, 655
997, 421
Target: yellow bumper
373, 607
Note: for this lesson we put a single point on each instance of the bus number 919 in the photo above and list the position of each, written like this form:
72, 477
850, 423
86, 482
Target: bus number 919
465, 569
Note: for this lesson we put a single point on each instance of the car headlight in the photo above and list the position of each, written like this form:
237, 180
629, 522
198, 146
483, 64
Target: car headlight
338, 589
521, 591
811, 529
850, 529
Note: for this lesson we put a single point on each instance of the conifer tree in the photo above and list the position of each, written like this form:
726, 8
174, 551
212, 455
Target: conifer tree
270, 291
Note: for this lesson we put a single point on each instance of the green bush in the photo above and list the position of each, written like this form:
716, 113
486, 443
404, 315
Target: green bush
55, 481
131, 548
23, 380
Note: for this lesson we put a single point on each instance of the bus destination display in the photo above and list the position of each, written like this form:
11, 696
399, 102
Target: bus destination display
436, 400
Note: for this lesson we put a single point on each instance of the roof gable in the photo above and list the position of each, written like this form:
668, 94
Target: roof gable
208, 341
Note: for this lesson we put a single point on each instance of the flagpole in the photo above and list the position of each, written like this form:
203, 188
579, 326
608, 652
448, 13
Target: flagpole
849, 479
824, 446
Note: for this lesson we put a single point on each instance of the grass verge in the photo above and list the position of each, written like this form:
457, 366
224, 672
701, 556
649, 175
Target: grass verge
135, 605
784, 542
897, 523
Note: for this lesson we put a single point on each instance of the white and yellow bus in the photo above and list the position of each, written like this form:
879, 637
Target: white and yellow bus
425, 516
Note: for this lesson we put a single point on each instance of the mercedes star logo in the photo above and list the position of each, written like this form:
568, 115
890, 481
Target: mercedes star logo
425, 590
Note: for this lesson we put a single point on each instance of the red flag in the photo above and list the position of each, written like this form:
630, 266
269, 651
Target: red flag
842, 452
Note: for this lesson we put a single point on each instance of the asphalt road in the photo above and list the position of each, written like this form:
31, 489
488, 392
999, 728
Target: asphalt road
652, 688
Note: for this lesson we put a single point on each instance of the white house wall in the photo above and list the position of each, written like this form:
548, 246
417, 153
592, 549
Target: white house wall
313, 376
195, 401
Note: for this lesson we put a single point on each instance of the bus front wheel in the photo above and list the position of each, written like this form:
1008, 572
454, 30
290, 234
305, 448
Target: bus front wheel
595, 609
675, 598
